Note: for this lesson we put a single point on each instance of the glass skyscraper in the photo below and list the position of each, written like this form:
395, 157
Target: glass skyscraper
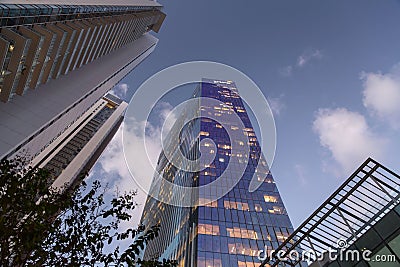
214, 231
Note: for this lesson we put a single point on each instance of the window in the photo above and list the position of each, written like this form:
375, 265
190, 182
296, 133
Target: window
204, 133
242, 206
258, 207
280, 237
276, 210
203, 262
208, 229
242, 233
249, 264
224, 146
269, 180
236, 205
208, 203
241, 249
270, 199
210, 173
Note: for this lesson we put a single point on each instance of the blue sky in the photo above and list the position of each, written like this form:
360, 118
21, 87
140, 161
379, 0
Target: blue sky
329, 69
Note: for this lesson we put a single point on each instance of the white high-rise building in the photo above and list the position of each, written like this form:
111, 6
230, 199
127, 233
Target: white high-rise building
57, 61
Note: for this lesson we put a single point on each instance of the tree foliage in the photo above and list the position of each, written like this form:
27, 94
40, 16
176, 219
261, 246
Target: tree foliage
41, 226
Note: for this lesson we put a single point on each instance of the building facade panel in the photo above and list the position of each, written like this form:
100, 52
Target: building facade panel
105, 24
11, 71
79, 50
51, 51
44, 57
66, 50
60, 43
111, 26
79, 33
30, 59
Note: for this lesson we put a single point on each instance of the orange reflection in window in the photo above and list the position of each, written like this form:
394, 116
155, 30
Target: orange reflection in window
202, 262
208, 203
242, 233
250, 264
281, 237
204, 133
208, 229
236, 205
276, 210
240, 249
271, 199
258, 207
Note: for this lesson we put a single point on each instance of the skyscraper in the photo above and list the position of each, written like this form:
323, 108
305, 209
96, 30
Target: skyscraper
225, 231
73, 153
58, 60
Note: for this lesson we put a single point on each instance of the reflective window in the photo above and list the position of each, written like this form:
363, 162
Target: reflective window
208, 229
242, 233
236, 205
272, 199
249, 264
258, 207
276, 210
242, 249
208, 202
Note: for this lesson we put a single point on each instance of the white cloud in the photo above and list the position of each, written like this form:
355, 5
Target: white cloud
120, 90
348, 137
304, 59
381, 95
114, 169
307, 56
276, 104
112, 161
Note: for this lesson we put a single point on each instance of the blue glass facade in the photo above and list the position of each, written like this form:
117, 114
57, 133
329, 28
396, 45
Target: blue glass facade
225, 231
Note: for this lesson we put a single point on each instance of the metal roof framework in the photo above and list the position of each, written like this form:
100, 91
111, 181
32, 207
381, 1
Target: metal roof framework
363, 199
